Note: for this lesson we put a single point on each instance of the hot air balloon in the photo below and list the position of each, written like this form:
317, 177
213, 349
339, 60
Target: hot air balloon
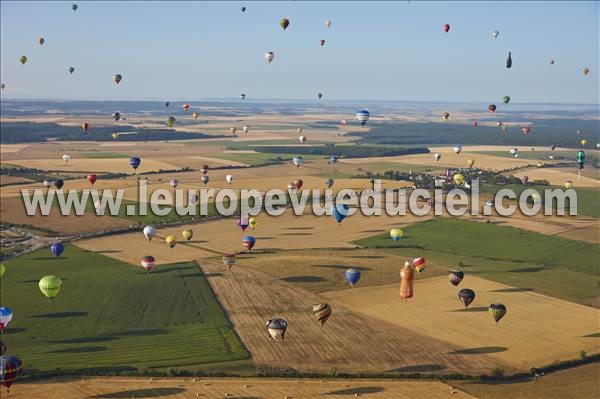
171, 241
552, 62
320, 95
506, 99
187, 234
321, 312
329, 182
204, 169
171, 121
333, 159
456, 276
74, 7
446, 28
470, 163
299, 131
57, 249
322, 42
352, 276
509, 60
343, 122
568, 184
233, 130
229, 260
445, 116
149, 232
525, 130
276, 329
99, 207
499, 124
524, 179
552, 147
167, 104
245, 129
475, 124
242, 223
457, 149
50, 286
115, 136
23, 59
243, 9
116, 116
195, 115
407, 275
204, 179
2, 86
135, 162
174, 183
497, 310
396, 234
47, 183
6, 315
41, 40
186, 107
248, 242
117, 78
284, 23
363, 116
85, 126
243, 96
252, 223
328, 24
419, 264
580, 160
10, 369
147, 263
458, 179
298, 184
339, 212
71, 70
297, 161
66, 158
495, 33
437, 156
466, 296
514, 151
58, 183
269, 55
229, 178
586, 71
492, 108
583, 142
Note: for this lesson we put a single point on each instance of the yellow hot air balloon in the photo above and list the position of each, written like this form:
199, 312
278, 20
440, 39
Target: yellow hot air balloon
396, 234
187, 234
458, 179
252, 223
50, 286
583, 142
115, 136
568, 184
470, 163
171, 241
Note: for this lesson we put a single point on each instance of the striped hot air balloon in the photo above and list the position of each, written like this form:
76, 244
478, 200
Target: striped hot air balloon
456, 276
229, 260
321, 311
419, 264
497, 310
248, 242
147, 262
466, 296
276, 329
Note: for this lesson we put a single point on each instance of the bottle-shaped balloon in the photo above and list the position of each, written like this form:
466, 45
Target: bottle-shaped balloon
407, 275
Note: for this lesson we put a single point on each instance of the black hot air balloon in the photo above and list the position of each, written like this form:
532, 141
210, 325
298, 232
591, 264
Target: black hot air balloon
497, 310
466, 296
509, 61
456, 276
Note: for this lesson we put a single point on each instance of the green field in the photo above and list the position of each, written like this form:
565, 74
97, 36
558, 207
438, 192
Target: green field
112, 315
526, 153
550, 265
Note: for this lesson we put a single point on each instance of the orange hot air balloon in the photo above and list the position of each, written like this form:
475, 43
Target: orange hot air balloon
407, 275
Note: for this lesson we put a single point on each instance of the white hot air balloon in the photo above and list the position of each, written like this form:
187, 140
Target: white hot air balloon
363, 116
229, 178
514, 151
302, 139
495, 33
99, 207
437, 156
245, 129
66, 158
328, 23
47, 183
457, 149
269, 55
149, 232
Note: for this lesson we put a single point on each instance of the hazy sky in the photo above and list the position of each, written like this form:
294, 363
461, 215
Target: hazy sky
374, 51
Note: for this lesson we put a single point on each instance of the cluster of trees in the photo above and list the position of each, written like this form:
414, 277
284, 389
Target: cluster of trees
342, 151
28, 132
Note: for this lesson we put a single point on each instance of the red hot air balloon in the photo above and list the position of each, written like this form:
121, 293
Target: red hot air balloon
85, 126
204, 169
92, 179
446, 28
475, 124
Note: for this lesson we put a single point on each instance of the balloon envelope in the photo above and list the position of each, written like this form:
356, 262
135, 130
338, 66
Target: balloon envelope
352, 276
57, 249
50, 286
466, 296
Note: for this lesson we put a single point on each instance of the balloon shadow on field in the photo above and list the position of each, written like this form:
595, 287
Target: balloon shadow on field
136, 333
528, 270
343, 267
107, 251
50, 258
357, 391
300, 228
85, 340
85, 349
157, 392
479, 351
12, 330
475, 309
216, 274
419, 368
593, 335
302, 279
297, 234
367, 257
516, 289
59, 315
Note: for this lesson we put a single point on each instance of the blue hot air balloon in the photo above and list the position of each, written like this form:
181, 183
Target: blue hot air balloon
339, 212
57, 248
333, 159
352, 276
135, 162
248, 242
363, 116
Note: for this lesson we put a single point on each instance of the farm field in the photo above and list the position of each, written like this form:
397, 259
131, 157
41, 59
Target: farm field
514, 341
558, 176
94, 165
178, 388
114, 316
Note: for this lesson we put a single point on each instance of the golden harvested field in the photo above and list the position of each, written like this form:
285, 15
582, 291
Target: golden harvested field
94, 165
529, 335
180, 388
348, 341
5, 180
558, 176
13, 211
581, 382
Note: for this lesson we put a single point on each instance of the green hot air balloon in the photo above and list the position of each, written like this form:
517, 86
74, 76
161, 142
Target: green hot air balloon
580, 159
22, 59
506, 99
171, 121
50, 286
284, 23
